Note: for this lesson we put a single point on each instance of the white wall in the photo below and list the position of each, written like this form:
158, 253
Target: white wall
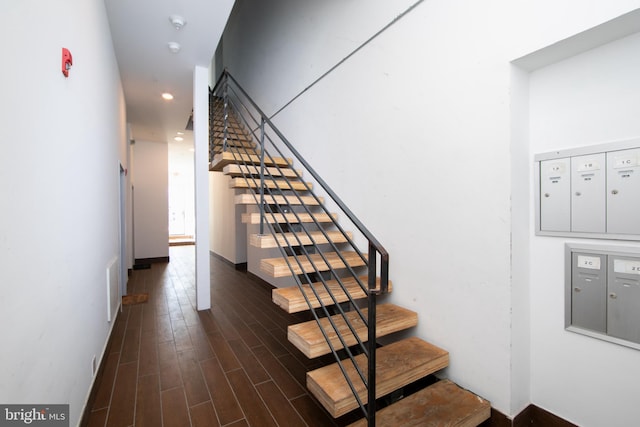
151, 200
415, 133
227, 233
581, 101
62, 142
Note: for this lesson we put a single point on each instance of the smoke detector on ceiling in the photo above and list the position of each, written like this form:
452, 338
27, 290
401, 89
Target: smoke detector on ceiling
177, 21
174, 47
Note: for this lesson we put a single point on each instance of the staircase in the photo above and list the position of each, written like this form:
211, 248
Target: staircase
336, 283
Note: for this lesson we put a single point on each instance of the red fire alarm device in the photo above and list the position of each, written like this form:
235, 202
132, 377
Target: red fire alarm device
67, 61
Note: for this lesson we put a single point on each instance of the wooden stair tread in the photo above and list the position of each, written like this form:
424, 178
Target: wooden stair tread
279, 184
397, 365
220, 160
266, 241
308, 338
217, 149
441, 404
234, 141
253, 199
279, 267
232, 127
291, 300
254, 218
241, 170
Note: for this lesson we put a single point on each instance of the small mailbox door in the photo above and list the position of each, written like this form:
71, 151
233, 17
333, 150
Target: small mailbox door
555, 195
589, 291
623, 302
588, 193
623, 191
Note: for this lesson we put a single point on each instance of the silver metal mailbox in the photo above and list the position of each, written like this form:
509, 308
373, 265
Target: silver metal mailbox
589, 192
589, 291
555, 192
623, 307
588, 197
602, 292
623, 192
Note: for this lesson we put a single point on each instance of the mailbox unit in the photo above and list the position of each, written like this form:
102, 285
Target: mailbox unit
602, 292
590, 192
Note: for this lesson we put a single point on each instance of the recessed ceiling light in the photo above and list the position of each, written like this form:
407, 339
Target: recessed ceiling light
178, 138
167, 96
179, 133
174, 47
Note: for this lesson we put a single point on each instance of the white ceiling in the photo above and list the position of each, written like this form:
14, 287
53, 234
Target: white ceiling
141, 30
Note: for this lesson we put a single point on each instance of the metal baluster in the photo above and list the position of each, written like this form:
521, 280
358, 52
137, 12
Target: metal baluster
262, 176
225, 98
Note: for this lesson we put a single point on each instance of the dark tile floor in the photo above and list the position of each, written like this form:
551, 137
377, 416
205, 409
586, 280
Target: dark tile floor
170, 365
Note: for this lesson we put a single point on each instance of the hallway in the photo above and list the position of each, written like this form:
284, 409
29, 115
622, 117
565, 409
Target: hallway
170, 365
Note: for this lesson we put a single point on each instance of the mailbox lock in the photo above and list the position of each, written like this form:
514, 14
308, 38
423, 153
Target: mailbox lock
614, 191
612, 295
546, 194
577, 289
578, 193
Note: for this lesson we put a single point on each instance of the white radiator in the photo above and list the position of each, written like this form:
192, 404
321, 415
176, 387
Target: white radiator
113, 289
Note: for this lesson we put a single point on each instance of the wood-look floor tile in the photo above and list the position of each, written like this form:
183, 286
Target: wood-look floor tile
181, 335
280, 375
241, 423
313, 415
135, 316
222, 396
174, 408
238, 303
164, 331
191, 317
272, 339
123, 401
254, 409
223, 352
206, 320
148, 407
98, 418
148, 360
192, 379
131, 345
175, 311
169, 370
203, 415
105, 383
295, 368
117, 335
252, 367
160, 304
200, 342
279, 406
245, 332
148, 318
226, 327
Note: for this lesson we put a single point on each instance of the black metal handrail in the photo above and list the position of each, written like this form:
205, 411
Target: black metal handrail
238, 104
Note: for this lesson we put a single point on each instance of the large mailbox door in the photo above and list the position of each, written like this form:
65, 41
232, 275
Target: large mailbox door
555, 195
623, 307
588, 193
589, 291
623, 192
